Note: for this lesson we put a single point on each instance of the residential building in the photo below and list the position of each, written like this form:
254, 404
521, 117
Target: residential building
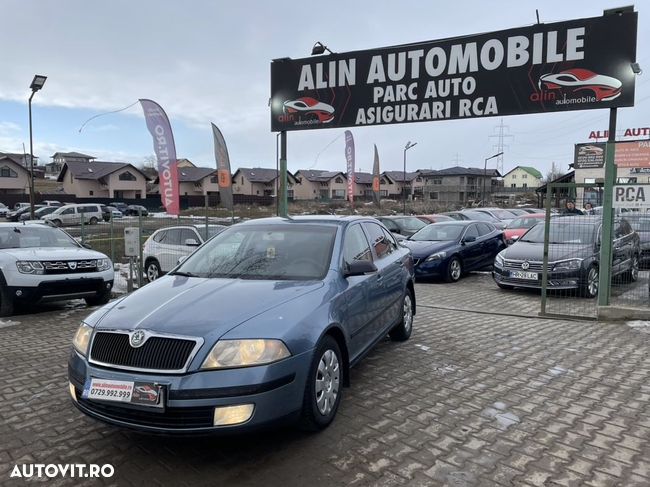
522, 177
53, 168
411, 182
316, 184
260, 182
100, 179
22, 159
14, 177
194, 180
458, 185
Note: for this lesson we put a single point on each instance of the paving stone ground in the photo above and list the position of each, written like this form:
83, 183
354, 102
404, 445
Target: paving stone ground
472, 399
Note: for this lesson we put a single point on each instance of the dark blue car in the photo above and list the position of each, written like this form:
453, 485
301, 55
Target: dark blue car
449, 249
261, 323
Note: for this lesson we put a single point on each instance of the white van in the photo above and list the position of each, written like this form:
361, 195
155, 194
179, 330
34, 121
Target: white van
89, 213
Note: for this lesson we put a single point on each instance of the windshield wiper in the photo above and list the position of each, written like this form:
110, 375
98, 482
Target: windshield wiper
183, 274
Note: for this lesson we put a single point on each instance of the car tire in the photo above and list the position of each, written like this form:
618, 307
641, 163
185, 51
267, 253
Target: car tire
403, 330
589, 288
6, 302
152, 270
93, 221
505, 286
454, 270
57, 223
324, 385
102, 297
633, 274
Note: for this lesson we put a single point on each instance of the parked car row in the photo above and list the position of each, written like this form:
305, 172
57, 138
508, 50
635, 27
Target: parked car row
58, 214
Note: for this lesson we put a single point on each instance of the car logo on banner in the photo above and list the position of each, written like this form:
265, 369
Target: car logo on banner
307, 111
137, 338
576, 86
525, 266
72, 265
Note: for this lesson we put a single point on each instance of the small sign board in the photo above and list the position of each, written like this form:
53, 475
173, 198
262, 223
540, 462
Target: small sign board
589, 156
132, 241
631, 196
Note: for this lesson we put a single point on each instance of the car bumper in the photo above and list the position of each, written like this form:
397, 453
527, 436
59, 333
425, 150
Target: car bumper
433, 268
189, 400
57, 290
556, 280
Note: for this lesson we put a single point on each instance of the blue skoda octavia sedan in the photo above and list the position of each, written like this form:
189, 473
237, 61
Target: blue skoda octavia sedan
262, 323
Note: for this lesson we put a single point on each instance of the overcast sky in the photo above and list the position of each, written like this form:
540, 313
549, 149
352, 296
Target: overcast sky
207, 61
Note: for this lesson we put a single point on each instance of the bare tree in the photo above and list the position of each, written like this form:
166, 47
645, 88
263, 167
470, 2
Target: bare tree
554, 173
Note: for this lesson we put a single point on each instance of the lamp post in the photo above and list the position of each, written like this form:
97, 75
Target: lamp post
485, 173
320, 48
406, 147
277, 172
37, 84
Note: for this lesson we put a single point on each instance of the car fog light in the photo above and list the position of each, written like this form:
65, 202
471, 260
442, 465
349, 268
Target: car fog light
19, 293
73, 393
228, 415
108, 285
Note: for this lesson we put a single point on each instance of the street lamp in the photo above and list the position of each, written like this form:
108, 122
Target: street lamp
37, 84
485, 173
320, 48
406, 147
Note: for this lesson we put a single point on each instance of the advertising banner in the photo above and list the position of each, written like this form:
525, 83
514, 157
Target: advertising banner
634, 154
376, 181
163, 145
589, 156
572, 65
224, 176
349, 158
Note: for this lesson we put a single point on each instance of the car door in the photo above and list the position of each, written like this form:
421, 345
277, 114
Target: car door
492, 243
619, 249
68, 216
169, 248
356, 313
471, 252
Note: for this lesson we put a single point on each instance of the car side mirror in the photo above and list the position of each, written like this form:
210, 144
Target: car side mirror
86, 246
359, 268
468, 239
181, 259
191, 242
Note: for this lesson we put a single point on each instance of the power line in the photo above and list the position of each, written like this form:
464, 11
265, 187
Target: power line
503, 133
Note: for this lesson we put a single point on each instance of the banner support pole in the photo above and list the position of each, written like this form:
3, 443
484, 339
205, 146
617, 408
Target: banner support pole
283, 208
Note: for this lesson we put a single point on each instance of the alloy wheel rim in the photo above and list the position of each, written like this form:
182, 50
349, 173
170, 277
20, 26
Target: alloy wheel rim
635, 268
152, 272
455, 269
593, 281
328, 379
408, 313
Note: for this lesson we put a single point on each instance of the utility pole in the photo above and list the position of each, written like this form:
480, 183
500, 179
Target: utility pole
501, 135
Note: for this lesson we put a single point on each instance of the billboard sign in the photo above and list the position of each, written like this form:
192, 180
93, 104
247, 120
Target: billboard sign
634, 154
631, 196
573, 65
589, 156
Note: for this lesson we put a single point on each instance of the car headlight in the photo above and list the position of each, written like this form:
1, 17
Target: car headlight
245, 353
30, 267
103, 264
436, 256
499, 260
81, 339
568, 265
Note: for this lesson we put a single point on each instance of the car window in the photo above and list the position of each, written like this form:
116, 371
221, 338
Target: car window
392, 243
390, 225
438, 232
484, 228
377, 239
34, 236
160, 236
472, 231
355, 245
173, 237
68, 211
187, 234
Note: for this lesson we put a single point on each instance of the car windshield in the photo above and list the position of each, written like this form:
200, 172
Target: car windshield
562, 233
264, 252
641, 224
30, 236
212, 231
524, 222
438, 232
503, 214
410, 223
479, 215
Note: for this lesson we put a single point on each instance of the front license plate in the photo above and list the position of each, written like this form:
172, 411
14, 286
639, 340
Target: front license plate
531, 276
139, 393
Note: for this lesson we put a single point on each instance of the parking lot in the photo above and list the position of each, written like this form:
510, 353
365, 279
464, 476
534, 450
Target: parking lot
484, 393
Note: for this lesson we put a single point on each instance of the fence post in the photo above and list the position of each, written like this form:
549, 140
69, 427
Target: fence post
547, 228
112, 238
140, 235
83, 240
207, 207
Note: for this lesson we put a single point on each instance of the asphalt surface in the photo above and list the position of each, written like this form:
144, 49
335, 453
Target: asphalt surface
484, 393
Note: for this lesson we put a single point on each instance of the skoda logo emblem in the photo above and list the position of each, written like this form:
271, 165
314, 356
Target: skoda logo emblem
137, 338
525, 266
72, 265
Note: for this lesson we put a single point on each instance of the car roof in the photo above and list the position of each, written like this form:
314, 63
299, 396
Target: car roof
321, 219
33, 222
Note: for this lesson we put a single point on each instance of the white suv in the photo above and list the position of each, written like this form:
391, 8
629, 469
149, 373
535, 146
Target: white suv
89, 213
38, 262
165, 246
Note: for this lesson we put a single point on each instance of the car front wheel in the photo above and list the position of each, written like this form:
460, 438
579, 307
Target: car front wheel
6, 302
633, 274
454, 270
403, 330
590, 286
324, 385
153, 270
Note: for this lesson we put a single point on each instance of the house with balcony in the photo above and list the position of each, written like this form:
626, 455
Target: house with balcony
260, 182
53, 168
317, 184
459, 185
99, 179
398, 182
14, 177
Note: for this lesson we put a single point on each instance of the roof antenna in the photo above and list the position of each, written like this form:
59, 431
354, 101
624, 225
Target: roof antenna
537, 14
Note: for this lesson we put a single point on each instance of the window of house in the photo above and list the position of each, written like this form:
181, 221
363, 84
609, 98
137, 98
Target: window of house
433, 196
524, 176
91, 193
127, 176
242, 180
439, 181
525, 185
338, 180
7, 172
214, 180
513, 185
514, 176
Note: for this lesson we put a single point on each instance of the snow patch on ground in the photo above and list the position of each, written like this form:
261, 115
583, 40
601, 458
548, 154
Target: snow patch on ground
500, 354
8, 323
642, 326
503, 418
557, 370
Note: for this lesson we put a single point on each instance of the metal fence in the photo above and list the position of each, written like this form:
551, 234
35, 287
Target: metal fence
573, 252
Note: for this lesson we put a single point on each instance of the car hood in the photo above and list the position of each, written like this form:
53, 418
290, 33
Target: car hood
423, 248
535, 251
52, 253
200, 307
